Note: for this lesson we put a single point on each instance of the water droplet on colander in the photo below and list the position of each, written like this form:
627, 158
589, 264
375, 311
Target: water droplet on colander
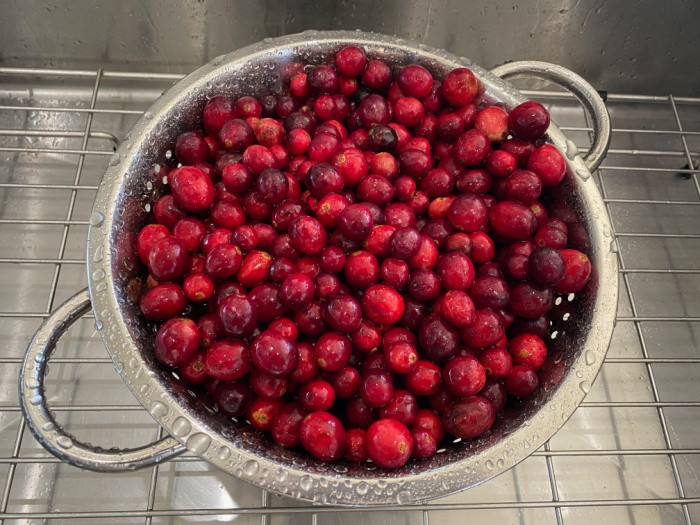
181, 427
223, 453
156, 168
590, 357
159, 409
35, 400
31, 383
165, 179
362, 488
500, 463
306, 483
148, 115
197, 443
64, 442
250, 467
403, 497
281, 474
571, 150
583, 174
585, 386
101, 288
489, 465
48, 426
96, 218
144, 389
267, 40
168, 154
381, 484
115, 159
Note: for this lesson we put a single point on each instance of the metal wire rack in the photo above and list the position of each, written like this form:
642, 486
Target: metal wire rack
630, 454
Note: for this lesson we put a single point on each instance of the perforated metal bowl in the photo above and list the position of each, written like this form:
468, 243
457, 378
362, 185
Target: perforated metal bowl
130, 183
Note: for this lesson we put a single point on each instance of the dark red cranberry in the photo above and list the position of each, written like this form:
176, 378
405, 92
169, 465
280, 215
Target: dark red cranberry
530, 301
522, 381
246, 238
163, 301
227, 289
377, 75
208, 330
192, 189
459, 87
529, 120
237, 316
438, 183
148, 237
373, 110
402, 407
236, 135
423, 285
191, 148
350, 61
297, 291
456, 271
346, 382
286, 426
332, 351
501, 163
286, 327
307, 235
316, 395
394, 273
177, 342
218, 111
167, 259
332, 259
497, 362
512, 221
356, 222
223, 261
485, 331
404, 243
376, 388
459, 242
496, 393
523, 186
237, 178
578, 271
438, 340
358, 413
467, 213
469, 418
306, 368
382, 138
267, 303
227, 360
449, 127
323, 80
232, 399
546, 266
326, 285
490, 292
414, 163
463, 376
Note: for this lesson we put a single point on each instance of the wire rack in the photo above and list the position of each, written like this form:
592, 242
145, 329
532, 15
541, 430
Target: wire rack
630, 453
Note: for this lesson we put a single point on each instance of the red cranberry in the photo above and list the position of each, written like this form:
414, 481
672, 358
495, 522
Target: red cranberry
497, 362
367, 337
438, 340
414, 81
262, 412
423, 285
248, 107
459, 242
490, 292
401, 357
408, 111
548, 164
356, 450
287, 425
258, 158
469, 418
578, 271
402, 407
233, 398
463, 376
358, 413
472, 147
521, 382
496, 393
346, 382
485, 331
457, 308
306, 368
223, 261
467, 213
427, 255
529, 120
394, 273
500, 163
148, 237
316, 395
192, 189
227, 360
236, 135
163, 301
332, 259
177, 342
492, 121
326, 285
512, 221
227, 215
332, 351
286, 327
190, 231
322, 80
546, 266
456, 271
373, 110
356, 222
523, 186
361, 269
377, 75
352, 165
193, 371
350, 61
237, 178
382, 305
483, 249
198, 287
307, 235
322, 435
530, 301
274, 354
191, 148
265, 297
389, 443
237, 316
459, 87
528, 350
424, 444
376, 388
218, 111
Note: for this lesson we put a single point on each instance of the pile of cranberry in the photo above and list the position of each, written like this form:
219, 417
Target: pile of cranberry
360, 265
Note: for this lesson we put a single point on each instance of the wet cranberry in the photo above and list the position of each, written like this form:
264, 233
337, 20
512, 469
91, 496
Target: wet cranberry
192, 189
512, 221
255, 268
483, 249
332, 259
306, 368
193, 371
322, 435
286, 327
522, 186
148, 237
438, 340
456, 271
227, 360
394, 273
427, 255
332, 351
236, 135
492, 121
408, 111
472, 147
237, 316
367, 337
548, 164
424, 444
459, 87
399, 215
402, 407
361, 269
190, 232
414, 163
177, 342
389, 443
423, 285
469, 418
223, 261
467, 213
163, 301
528, 350
198, 287
307, 235
274, 354
578, 271
546, 266
497, 362
457, 308
356, 450
233, 398
501, 164
414, 81
401, 357
262, 412
248, 107
310, 321
485, 331
258, 158
530, 301
377, 75
382, 305
459, 242
521, 382
346, 382
191, 148
265, 297
237, 178
529, 120
217, 111
355, 222
490, 292
267, 386
225, 159
316, 395
322, 80
286, 426
376, 388
358, 413
350, 61
297, 291
463, 376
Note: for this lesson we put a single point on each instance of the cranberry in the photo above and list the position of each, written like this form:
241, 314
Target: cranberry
232, 398
578, 271
307, 235
529, 120
423, 285
236, 135
358, 414
485, 331
459, 242
237, 178
522, 381
414, 81
424, 444
332, 351
467, 213
492, 121
352, 166
382, 305
377, 75
530, 301
177, 342
255, 268
198, 287
350, 61
223, 261
456, 271
546, 266
274, 354
192, 189
459, 87
528, 350
389, 443
306, 368
193, 371
376, 388
401, 357
414, 163
238, 315
408, 111
310, 321
286, 426
218, 111
472, 147
463, 376
367, 337
248, 107
227, 360
483, 248
427, 255
548, 164
402, 407
373, 110
286, 327
297, 291
322, 435
265, 297
497, 362
438, 340
258, 158
469, 418
375, 189
356, 222
316, 395
490, 292
394, 273
323, 80
361, 269
262, 412
512, 221
163, 301
346, 382
501, 164
356, 450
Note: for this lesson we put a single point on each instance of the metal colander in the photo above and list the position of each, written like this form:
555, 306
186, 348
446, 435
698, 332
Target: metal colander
583, 323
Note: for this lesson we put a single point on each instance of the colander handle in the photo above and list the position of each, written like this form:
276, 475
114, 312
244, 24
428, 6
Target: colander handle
586, 94
43, 425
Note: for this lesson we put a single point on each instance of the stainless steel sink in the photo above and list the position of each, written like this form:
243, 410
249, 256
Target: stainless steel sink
630, 454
